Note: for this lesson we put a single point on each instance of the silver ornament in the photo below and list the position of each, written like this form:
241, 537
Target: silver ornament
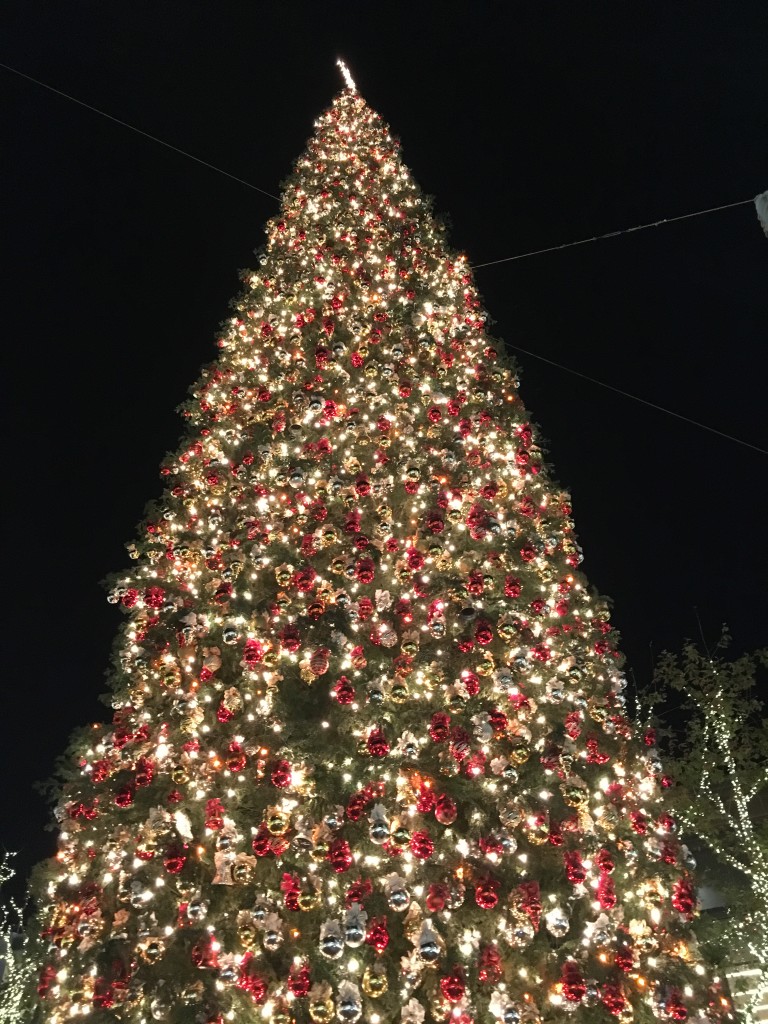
399, 899
272, 940
557, 922
197, 909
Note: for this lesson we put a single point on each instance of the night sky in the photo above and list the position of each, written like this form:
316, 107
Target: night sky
532, 125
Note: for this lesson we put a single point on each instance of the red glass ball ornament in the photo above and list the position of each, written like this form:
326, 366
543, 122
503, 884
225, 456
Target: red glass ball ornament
437, 897
612, 998
299, 980
440, 726
422, 845
376, 934
344, 691
445, 809
377, 743
453, 985
281, 775
574, 987
340, 855
487, 893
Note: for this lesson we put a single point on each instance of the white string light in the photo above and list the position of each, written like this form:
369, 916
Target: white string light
348, 79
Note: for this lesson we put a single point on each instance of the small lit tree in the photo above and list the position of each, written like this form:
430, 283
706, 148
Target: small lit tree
720, 762
17, 964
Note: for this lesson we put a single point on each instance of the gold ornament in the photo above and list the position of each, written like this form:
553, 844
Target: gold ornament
400, 836
248, 935
309, 900
321, 1010
375, 982
278, 821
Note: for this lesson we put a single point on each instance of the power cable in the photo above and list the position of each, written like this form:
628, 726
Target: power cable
636, 398
139, 131
612, 234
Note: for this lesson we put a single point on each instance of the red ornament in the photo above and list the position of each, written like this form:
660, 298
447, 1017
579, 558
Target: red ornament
676, 1008
612, 997
377, 934
471, 683
262, 842
358, 892
483, 633
575, 871
344, 691
377, 743
606, 894
512, 586
145, 771
214, 815
365, 570
249, 979
422, 845
437, 896
487, 893
604, 862
299, 980
574, 987
529, 897
489, 968
124, 797
684, 898
340, 855
319, 661
453, 985
426, 800
445, 809
281, 775
439, 727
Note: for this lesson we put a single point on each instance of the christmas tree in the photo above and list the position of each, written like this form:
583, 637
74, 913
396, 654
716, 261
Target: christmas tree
370, 756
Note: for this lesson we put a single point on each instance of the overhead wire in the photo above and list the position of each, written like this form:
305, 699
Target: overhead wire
636, 398
475, 266
139, 131
612, 234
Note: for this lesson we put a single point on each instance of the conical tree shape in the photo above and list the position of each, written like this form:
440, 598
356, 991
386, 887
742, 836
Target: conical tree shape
370, 756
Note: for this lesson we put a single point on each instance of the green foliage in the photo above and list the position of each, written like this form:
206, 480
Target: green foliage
716, 735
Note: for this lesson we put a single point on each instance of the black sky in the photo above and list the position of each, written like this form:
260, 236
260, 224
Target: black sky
532, 124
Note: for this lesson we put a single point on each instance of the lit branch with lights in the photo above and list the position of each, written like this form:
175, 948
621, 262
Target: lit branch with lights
17, 963
370, 757
721, 763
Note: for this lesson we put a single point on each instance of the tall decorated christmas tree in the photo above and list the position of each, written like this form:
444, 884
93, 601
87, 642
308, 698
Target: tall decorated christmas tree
370, 757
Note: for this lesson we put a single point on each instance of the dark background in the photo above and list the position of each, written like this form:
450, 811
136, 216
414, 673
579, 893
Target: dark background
533, 124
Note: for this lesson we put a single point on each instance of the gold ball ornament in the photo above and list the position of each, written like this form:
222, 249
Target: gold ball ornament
151, 949
375, 981
278, 822
320, 850
248, 935
520, 753
575, 796
456, 703
242, 872
400, 837
309, 900
320, 1010
400, 693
